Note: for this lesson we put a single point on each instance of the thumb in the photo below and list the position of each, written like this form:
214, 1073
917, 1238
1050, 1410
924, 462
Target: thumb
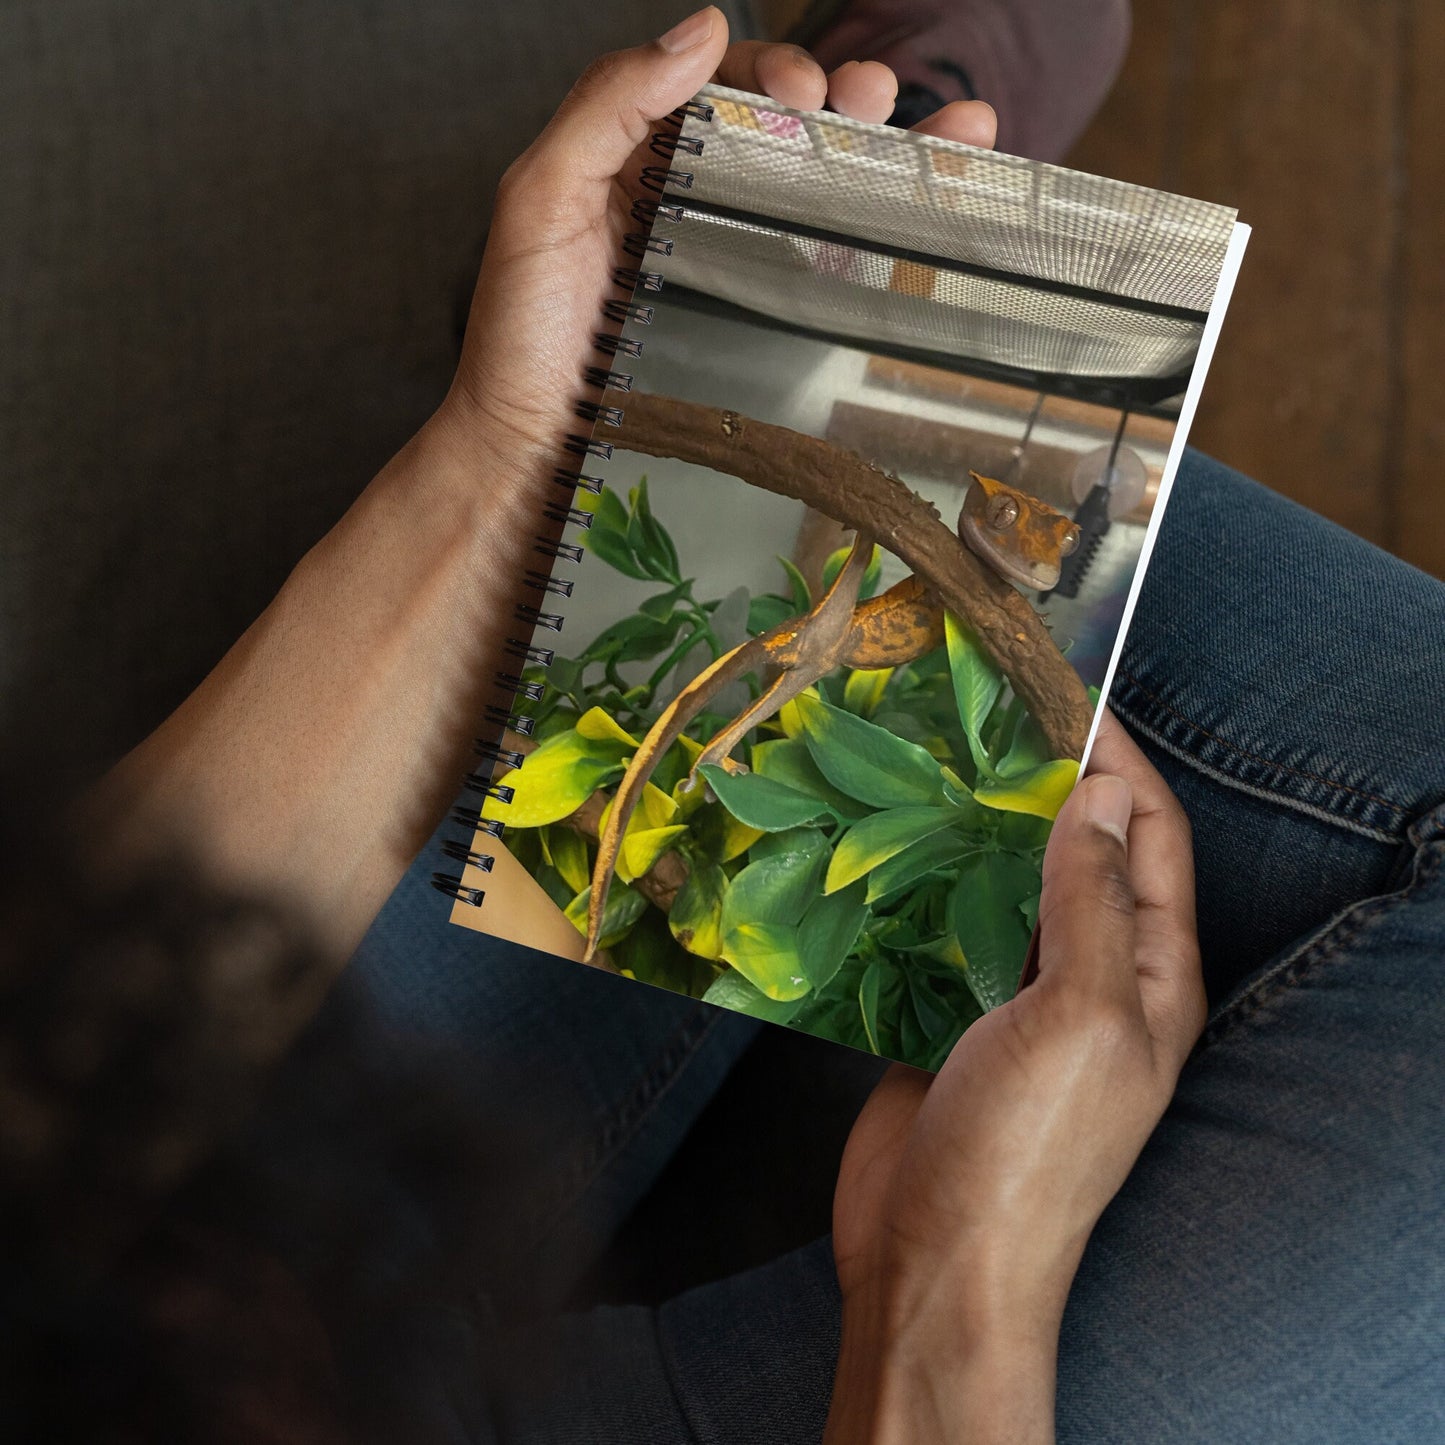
1087, 924
617, 100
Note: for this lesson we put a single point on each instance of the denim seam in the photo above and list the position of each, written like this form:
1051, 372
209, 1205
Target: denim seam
1317, 951
1252, 790
1177, 750
672, 1375
624, 1121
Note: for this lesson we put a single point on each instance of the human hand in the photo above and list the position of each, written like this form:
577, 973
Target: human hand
563, 209
964, 1202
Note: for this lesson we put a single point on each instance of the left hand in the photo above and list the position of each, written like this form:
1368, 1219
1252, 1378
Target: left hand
563, 209
345, 714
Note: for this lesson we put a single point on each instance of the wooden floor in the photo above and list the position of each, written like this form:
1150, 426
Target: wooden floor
1323, 121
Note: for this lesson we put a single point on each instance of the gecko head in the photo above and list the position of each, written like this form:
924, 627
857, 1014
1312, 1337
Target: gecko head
1021, 538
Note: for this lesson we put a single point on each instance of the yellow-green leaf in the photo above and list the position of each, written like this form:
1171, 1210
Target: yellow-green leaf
650, 832
790, 718
654, 810
864, 689
737, 838
555, 780
766, 954
876, 838
1040, 791
569, 858
598, 726
696, 915
641, 848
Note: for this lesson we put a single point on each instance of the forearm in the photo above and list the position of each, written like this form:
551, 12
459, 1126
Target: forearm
318, 755
964, 1377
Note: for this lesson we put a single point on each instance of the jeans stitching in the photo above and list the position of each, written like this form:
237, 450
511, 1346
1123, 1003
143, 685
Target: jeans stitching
1250, 790
1256, 757
1323, 948
672, 1375
624, 1120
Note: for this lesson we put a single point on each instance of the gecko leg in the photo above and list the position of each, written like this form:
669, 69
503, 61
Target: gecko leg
817, 646
809, 643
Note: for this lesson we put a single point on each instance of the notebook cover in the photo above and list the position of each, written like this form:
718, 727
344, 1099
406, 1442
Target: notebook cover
985, 365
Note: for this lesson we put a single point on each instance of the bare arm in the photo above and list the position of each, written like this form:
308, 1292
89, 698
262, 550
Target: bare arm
320, 753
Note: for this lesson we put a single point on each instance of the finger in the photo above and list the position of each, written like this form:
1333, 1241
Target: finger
612, 108
863, 90
1086, 913
971, 121
1161, 868
786, 73
1161, 860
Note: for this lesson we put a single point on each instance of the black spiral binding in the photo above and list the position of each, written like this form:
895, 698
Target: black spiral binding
632, 281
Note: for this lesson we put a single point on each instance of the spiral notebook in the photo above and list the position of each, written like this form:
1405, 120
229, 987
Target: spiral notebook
876, 448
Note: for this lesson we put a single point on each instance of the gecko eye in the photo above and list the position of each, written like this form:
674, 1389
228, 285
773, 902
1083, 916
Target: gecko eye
1003, 512
1070, 544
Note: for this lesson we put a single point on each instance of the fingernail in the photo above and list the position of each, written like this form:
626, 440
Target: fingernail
688, 33
1108, 804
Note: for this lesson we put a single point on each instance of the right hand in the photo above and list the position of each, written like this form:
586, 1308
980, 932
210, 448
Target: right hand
965, 1201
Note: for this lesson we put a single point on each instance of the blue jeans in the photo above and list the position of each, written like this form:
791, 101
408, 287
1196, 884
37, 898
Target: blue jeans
1272, 1269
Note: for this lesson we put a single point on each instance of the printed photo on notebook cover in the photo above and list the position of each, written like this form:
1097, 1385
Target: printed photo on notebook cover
884, 429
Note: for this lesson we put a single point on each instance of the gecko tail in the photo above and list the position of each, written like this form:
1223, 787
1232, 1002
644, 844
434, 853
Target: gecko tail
692, 700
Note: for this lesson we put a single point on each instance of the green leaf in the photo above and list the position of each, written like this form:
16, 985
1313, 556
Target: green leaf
624, 907
879, 837
696, 915
806, 840
607, 537
1020, 832
798, 584
633, 639
779, 886
565, 674
648, 539
1030, 910
919, 860
788, 761
662, 606
553, 884
867, 762
555, 780
828, 932
976, 686
766, 611
719, 835
733, 991
1040, 792
767, 954
868, 988
932, 1017
649, 954
1028, 749
761, 802
983, 914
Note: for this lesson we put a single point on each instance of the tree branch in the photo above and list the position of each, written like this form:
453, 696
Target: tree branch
866, 498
